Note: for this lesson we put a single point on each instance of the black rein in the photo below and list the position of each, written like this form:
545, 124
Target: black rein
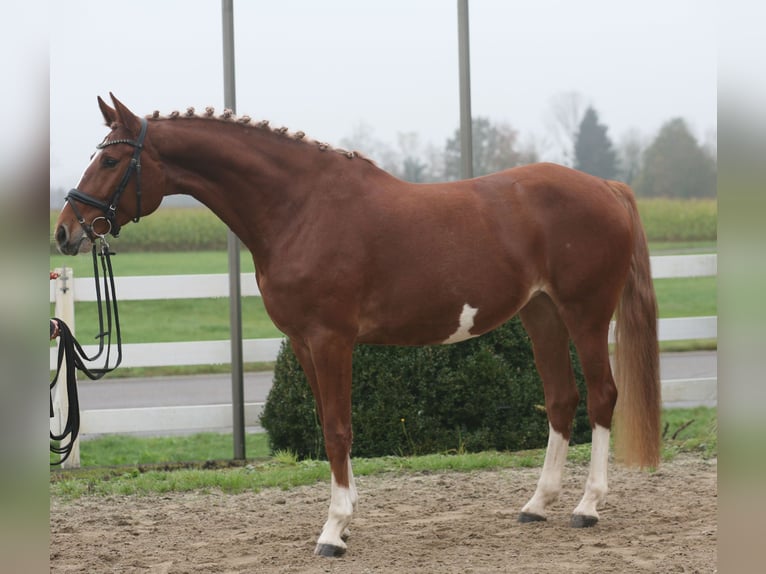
69, 348
76, 358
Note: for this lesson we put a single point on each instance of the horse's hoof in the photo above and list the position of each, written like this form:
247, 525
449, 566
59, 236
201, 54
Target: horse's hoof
329, 550
525, 517
583, 521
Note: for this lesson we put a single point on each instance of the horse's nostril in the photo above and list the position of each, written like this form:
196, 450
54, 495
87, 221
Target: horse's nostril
61, 235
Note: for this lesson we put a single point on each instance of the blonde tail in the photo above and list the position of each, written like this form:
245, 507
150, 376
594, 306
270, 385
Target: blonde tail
637, 364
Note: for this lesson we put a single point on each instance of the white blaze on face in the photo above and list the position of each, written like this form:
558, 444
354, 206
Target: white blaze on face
93, 160
465, 325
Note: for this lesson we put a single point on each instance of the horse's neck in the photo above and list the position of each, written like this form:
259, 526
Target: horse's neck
252, 183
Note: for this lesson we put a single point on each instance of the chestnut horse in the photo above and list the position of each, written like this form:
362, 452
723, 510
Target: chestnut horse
345, 253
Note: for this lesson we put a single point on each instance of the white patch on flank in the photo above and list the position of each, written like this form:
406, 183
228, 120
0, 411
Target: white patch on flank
342, 505
596, 485
549, 485
466, 324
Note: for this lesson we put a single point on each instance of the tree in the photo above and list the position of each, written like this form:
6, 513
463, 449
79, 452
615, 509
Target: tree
363, 140
566, 112
411, 166
409, 160
630, 153
676, 165
593, 150
494, 149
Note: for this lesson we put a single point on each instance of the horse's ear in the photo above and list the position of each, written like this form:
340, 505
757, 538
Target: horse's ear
110, 116
125, 116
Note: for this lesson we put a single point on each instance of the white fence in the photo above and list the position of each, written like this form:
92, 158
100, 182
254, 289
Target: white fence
66, 290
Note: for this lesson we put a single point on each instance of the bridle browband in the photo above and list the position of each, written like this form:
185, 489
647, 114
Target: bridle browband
109, 208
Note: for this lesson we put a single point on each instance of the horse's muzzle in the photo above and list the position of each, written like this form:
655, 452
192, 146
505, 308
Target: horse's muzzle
71, 244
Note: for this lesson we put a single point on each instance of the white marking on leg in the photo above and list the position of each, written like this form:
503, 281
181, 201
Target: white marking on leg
465, 325
342, 505
549, 485
596, 485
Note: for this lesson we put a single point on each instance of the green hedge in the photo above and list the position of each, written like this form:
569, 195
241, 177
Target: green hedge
194, 229
481, 394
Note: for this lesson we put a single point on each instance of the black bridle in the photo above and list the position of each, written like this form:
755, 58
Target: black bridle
109, 208
69, 348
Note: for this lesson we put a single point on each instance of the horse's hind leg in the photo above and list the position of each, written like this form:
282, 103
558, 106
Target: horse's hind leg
550, 340
590, 339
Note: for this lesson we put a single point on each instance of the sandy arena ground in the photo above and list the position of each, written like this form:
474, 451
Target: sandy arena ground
426, 523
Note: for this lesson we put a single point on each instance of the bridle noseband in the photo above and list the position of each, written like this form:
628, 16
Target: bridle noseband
109, 209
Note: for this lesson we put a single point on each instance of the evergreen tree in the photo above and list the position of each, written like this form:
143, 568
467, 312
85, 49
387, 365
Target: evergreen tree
676, 165
593, 150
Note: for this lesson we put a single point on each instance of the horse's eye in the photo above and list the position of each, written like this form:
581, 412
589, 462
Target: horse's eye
109, 162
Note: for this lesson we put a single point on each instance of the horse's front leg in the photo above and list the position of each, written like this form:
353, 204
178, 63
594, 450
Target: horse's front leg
331, 358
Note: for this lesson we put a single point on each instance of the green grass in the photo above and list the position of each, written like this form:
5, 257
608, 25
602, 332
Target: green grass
686, 431
192, 262
682, 247
686, 297
161, 320
158, 263
690, 431
126, 450
678, 219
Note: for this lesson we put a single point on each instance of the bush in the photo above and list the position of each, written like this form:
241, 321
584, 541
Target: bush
477, 395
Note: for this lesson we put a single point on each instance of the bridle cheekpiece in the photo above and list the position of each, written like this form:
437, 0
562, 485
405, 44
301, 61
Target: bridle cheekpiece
109, 208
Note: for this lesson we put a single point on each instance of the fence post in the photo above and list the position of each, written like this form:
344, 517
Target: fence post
65, 311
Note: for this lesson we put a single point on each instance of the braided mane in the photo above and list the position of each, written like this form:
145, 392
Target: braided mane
229, 116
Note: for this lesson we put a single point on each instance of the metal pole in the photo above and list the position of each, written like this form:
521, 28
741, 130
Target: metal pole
235, 291
466, 127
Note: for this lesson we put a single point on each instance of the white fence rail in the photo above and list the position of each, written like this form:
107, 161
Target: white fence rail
66, 290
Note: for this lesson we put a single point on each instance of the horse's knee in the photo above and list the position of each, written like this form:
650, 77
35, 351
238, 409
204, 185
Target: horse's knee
337, 444
561, 409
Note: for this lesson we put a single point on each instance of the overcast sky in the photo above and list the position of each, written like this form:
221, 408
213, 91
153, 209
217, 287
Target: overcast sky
325, 67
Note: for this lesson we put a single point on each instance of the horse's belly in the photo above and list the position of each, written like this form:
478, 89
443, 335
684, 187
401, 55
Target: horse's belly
434, 322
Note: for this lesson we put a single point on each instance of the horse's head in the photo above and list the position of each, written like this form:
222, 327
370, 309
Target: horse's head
122, 183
